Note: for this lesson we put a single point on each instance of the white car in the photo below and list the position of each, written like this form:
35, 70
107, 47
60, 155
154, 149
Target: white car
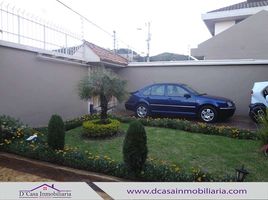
259, 100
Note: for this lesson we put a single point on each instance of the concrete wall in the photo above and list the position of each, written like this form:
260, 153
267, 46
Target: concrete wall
245, 40
32, 89
232, 81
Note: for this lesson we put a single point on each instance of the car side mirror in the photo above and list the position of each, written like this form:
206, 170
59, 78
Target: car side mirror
187, 96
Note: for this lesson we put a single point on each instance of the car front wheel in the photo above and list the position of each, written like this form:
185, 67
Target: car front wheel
142, 111
208, 114
257, 113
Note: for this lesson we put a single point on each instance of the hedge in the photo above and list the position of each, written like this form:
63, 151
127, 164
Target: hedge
196, 127
93, 128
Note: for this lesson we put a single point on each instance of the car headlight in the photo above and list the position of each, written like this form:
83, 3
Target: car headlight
230, 104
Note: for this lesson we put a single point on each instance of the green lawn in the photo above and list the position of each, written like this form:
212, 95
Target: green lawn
215, 154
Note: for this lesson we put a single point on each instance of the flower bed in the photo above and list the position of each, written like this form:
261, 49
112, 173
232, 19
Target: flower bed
196, 127
72, 157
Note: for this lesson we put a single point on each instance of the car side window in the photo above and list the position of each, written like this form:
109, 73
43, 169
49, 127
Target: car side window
176, 91
158, 90
147, 92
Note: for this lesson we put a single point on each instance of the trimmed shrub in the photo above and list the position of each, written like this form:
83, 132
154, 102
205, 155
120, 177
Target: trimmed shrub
95, 128
135, 147
56, 132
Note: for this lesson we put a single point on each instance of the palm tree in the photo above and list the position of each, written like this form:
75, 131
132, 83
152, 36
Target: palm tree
105, 84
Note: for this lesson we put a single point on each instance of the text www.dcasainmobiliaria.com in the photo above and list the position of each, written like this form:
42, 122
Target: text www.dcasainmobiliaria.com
198, 191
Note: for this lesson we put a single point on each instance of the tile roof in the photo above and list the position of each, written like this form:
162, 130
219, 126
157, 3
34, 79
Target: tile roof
107, 55
242, 5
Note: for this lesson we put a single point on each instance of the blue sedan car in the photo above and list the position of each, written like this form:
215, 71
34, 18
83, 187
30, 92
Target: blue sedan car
178, 99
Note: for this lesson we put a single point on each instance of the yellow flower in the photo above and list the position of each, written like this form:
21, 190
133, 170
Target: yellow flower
177, 169
106, 157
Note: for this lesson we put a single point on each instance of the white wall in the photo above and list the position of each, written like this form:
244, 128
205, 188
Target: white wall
222, 26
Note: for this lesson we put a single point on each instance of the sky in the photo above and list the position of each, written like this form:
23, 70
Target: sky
175, 25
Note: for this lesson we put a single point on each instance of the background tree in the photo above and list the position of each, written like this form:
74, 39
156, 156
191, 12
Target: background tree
105, 84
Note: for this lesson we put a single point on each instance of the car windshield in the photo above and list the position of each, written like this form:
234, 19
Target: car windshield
191, 90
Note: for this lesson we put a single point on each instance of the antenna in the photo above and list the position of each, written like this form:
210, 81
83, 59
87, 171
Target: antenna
114, 36
148, 41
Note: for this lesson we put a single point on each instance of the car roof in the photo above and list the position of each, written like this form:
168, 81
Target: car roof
181, 84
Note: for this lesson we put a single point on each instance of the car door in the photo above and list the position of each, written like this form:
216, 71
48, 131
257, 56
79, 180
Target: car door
157, 100
180, 100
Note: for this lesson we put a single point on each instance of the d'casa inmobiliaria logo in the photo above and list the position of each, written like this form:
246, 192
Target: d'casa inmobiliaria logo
45, 191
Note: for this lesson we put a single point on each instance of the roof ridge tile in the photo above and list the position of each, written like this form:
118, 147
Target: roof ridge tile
242, 5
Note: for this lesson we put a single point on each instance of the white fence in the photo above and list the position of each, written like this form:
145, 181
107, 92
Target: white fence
20, 27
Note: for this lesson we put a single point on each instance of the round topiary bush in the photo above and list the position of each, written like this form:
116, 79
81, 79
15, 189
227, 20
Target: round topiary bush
56, 133
135, 147
96, 129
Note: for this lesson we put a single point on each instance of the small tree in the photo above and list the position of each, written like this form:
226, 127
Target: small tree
135, 147
56, 132
263, 132
105, 84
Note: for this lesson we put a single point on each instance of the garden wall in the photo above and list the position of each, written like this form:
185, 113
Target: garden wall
32, 88
231, 79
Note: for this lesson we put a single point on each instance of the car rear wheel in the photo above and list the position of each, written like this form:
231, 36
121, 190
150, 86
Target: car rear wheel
208, 114
142, 111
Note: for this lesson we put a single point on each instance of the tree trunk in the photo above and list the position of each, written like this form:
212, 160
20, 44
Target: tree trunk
104, 108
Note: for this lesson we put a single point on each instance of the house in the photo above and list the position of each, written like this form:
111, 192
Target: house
98, 56
94, 55
238, 32
128, 54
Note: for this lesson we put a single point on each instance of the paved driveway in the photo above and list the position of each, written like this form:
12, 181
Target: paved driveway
241, 122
